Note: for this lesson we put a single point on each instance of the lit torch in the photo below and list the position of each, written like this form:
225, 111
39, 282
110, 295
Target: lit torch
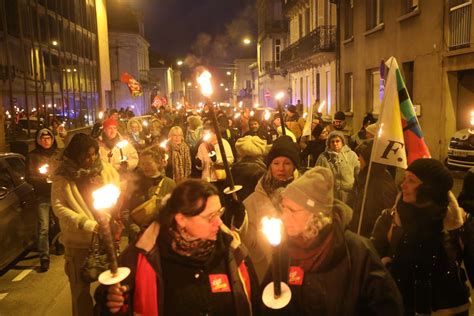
44, 170
120, 146
252, 113
472, 122
277, 294
321, 106
164, 144
206, 137
266, 116
278, 97
101, 115
104, 199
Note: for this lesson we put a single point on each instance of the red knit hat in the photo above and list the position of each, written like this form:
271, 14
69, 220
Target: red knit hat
109, 122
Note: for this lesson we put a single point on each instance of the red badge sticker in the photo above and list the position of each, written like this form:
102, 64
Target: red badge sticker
219, 283
295, 276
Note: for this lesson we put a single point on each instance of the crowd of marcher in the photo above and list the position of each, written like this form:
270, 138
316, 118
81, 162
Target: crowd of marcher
199, 251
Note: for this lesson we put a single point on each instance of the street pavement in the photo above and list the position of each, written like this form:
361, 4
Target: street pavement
26, 291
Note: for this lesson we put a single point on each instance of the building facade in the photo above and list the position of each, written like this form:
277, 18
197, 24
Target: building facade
51, 63
272, 39
310, 57
128, 54
431, 41
243, 84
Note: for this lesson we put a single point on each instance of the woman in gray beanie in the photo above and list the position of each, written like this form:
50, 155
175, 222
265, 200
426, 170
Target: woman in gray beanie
424, 239
330, 270
282, 165
344, 165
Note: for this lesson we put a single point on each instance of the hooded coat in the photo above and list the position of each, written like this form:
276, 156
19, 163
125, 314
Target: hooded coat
424, 248
113, 154
344, 166
39, 157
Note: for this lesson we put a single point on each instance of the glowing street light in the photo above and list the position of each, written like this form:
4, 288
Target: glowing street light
179, 62
228, 73
55, 43
246, 41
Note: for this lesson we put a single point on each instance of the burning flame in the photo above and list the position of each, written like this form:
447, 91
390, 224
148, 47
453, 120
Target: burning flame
145, 123
266, 115
43, 169
237, 115
122, 144
279, 95
204, 80
321, 106
252, 113
256, 105
472, 118
240, 104
207, 136
163, 144
271, 227
105, 197
179, 106
101, 115
305, 115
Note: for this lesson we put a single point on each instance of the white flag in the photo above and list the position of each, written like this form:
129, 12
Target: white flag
389, 143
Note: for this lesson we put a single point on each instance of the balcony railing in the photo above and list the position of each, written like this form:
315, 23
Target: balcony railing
272, 68
322, 39
460, 26
278, 26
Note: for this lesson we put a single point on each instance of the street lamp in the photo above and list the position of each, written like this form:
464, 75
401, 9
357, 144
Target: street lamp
246, 41
54, 43
228, 73
179, 62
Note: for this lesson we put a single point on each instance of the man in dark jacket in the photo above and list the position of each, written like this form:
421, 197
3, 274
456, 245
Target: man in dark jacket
40, 164
330, 270
381, 191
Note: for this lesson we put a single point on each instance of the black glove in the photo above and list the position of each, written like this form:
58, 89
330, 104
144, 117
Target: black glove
198, 163
213, 156
123, 165
237, 211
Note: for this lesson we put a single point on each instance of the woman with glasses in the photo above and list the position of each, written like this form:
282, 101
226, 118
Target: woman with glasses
198, 266
329, 269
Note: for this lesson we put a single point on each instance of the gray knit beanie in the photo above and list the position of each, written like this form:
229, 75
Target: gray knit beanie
313, 190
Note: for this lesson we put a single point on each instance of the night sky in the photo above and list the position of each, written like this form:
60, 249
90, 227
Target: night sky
172, 26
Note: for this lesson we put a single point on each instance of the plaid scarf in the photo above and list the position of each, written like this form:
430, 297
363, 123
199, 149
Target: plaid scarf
187, 246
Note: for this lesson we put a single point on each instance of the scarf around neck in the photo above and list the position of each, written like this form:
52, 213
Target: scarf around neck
71, 171
185, 245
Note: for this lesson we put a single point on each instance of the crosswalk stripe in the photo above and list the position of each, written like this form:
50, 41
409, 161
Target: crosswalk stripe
22, 275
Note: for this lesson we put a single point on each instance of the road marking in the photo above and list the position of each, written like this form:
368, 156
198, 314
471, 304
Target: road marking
3, 295
22, 275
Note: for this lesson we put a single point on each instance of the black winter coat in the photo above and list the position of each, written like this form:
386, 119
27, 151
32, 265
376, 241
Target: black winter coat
424, 248
381, 194
184, 305
246, 172
351, 281
37, 158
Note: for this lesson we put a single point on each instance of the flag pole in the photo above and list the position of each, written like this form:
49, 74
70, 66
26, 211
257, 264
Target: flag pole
376, 136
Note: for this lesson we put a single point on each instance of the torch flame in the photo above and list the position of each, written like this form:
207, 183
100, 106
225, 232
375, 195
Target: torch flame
101, 115
321, 106
122, 144
237, 115
266, 115
179, 106
105, 197
472, 119
204, 80
252, 113
145, 123
271, 227
305, 115
207, 136
163, 144
279, 95
43, 169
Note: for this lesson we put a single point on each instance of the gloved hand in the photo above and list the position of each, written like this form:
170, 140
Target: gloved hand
198, 163
213, 156
123, 166
237, 211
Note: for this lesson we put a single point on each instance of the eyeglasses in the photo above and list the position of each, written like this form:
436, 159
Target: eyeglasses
211, 217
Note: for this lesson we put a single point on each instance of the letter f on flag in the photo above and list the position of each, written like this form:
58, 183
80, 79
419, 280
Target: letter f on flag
399, 140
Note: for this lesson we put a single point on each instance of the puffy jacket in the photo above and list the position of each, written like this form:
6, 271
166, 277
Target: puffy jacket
114, 156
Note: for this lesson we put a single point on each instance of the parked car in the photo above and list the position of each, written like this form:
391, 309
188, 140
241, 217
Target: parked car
461, 149
18, 217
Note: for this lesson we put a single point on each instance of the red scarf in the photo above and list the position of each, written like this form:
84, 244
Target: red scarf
309, 255
146, 291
